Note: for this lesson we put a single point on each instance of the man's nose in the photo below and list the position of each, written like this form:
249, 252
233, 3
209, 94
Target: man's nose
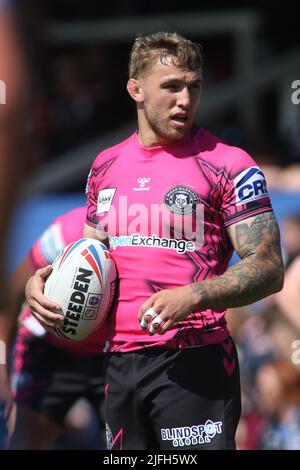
184, 98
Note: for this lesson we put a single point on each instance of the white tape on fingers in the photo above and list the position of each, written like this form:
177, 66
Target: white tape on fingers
150, 313
143, 323
158, 320
155, 324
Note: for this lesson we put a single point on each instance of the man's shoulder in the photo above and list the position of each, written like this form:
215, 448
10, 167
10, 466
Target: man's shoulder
220, 153
113, 151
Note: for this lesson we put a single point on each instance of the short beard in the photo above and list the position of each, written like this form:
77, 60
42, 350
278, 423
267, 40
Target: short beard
163, 129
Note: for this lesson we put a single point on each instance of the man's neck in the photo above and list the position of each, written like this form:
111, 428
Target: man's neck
150, 139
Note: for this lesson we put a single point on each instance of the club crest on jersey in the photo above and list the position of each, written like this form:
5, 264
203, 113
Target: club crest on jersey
181, 200
250, 185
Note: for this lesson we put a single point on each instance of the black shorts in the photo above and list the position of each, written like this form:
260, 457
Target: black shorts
50, 380
3, 430
173, 399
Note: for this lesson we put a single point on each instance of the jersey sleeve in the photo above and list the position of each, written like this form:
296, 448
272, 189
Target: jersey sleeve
64, 229
92, 195
47, 247
244, 190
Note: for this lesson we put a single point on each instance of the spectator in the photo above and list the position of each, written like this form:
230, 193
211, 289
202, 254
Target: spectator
278, 397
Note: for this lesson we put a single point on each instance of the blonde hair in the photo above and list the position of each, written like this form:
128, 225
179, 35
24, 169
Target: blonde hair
163, 45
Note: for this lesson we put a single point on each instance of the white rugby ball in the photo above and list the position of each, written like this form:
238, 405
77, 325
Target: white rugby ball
82, 282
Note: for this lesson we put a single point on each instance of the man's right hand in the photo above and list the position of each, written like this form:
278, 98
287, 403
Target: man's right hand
42, 308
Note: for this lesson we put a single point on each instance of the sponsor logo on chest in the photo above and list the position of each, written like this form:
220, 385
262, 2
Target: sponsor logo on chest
142, 184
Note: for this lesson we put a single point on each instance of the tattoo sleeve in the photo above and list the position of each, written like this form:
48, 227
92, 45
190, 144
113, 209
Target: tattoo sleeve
257, 275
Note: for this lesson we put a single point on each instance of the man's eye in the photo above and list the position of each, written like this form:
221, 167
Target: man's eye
172, 87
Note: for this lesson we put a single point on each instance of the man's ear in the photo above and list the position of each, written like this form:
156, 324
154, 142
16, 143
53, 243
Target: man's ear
135, 91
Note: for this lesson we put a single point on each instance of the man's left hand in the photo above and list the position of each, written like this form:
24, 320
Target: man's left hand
167, 307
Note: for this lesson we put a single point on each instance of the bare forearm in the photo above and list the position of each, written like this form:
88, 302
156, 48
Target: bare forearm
246, 282
257, 275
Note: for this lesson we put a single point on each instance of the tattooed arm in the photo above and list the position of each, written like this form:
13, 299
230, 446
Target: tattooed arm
257, 275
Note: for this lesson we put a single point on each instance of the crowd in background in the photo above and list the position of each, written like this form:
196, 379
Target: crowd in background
267, 334
77, 88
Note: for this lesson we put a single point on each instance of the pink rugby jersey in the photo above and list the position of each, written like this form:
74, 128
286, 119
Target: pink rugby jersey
64, 230
166, 211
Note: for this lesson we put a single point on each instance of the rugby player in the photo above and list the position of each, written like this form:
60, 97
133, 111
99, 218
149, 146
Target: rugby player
172, 377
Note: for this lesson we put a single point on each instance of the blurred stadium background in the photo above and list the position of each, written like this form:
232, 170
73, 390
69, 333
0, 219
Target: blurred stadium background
78, 53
